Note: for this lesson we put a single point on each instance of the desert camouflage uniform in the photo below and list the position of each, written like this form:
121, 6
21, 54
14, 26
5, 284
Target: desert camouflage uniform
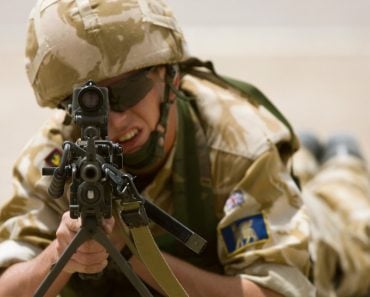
337, 196
262, 228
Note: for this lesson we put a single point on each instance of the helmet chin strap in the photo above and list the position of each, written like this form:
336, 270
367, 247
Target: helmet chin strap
152, 153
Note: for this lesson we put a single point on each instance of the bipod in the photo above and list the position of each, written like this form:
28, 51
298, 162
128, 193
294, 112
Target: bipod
91, 229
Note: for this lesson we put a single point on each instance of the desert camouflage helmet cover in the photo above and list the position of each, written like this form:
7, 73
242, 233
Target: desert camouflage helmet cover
72, 41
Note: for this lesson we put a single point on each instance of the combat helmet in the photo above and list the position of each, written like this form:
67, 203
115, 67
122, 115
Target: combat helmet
71, 41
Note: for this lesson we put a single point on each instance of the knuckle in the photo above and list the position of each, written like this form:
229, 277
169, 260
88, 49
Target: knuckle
88, 259
58, 247
59, 233
94, 268
90, 246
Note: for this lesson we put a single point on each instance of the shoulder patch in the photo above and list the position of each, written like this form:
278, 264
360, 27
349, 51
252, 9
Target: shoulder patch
54, 158
245, 232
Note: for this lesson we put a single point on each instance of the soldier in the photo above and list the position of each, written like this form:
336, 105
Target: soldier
336, 191
206, 149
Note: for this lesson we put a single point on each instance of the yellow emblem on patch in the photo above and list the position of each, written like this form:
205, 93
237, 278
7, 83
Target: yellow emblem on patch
244, 232
54, 158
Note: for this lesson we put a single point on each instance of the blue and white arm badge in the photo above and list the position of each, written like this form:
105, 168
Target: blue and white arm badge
244, 232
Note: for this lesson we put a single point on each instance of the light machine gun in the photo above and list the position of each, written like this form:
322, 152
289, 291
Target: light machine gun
94, 165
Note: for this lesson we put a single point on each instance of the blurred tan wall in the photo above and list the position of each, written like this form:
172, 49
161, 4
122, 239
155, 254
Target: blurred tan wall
317, 72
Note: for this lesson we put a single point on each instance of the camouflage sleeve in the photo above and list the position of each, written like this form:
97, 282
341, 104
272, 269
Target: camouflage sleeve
263, 235
29, 218
337, 200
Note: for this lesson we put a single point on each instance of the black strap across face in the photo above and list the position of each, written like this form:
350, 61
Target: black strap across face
126, 92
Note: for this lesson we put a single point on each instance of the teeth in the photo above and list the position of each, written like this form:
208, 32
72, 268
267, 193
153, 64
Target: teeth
129, 135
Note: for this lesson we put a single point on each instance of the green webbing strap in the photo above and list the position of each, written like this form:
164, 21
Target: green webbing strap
192, 190
193, 193
143, 246
261, 98
152, 258
255, 95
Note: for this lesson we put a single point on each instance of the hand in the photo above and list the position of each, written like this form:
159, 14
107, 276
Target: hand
90, 257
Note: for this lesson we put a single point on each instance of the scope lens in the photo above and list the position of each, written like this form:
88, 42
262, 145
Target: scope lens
90, 100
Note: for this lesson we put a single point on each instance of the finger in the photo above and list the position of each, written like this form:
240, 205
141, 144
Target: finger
73, 225
90, 247
73, 266
85, 259
64, 234
108, 225
117, 238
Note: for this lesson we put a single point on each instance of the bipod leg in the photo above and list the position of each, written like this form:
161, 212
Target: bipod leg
91, 231
79, 239
123, 265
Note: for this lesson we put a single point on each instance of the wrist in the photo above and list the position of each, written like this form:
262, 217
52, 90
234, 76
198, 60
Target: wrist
53, 257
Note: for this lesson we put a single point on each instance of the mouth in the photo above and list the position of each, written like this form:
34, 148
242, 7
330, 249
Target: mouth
130, 141
129, 135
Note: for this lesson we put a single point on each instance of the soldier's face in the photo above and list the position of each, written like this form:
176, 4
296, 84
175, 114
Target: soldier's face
132, 126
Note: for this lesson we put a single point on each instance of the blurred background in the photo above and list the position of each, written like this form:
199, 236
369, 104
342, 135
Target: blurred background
311, 58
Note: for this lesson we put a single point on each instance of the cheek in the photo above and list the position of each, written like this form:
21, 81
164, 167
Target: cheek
116, 120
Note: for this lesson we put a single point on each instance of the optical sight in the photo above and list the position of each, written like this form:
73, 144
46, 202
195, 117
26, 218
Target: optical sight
90, 107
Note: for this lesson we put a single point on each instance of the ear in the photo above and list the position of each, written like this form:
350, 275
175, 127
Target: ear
174, 74
176, 80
